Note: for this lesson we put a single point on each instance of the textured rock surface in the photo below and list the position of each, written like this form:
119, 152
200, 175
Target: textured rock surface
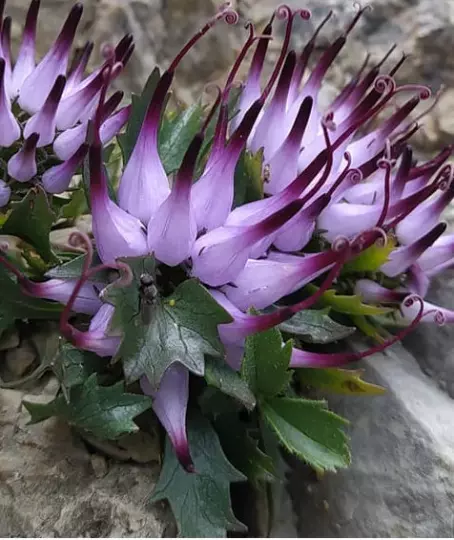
50, 485
401, 481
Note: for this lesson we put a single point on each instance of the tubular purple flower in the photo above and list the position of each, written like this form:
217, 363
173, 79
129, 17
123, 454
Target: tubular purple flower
37, 85
212, 194
5, 49
283, 165
144, 185
170, 403
263, 282
97, 339
75, 78
117, 233
266, 135
57, 178
25, 62
10, 131
426, 214
298, 231
86, 300
5, 193
439, 253
114, 124
431, 313
220, 255
244, 325
403, 257
44, 121
172, 230
372, 293
22, 166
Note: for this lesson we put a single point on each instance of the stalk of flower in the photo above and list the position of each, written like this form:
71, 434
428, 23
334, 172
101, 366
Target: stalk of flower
55, 104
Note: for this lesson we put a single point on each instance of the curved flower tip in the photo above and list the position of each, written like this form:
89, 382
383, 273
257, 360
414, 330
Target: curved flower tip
172, 230
37, 85
144, 185
170, 404
57, 179
22, 166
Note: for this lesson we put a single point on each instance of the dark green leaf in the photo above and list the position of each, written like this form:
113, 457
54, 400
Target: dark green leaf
316, 326
181, 328
73, 367
31, 220
213, 402
248, 178
73, 270
306, 428
243, 451
200, 501
266, 362
339, 381
105, 411
176, 135
76, 205
222, 376
127, 140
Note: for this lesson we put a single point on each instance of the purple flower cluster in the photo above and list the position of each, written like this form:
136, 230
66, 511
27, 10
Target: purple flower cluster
55, 105
324, 171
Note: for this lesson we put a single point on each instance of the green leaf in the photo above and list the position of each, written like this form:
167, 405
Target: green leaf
349, 304
14, 304
76, 205
248, 178
266, 362
371, 259
139, 106
306, 428
222, 376
74, 366
213, 402
73, 270
316, 326
31, 220
200, 501
181, 328
176, 135
105, 411
339, 381
243, 451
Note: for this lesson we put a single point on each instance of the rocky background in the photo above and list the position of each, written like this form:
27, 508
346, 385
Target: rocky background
401, 482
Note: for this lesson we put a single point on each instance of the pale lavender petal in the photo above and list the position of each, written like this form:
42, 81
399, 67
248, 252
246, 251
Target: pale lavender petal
170, 404
5, 193
10, 131
57, 178
22, 166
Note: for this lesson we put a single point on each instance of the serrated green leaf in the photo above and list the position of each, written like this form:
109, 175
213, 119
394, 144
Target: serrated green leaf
139, 106
222, 376
76, 205
200, 501
31, 220
243, 451
181, 328
316, 326
371, 259
73, 270
73, 367
306, 428
105, 411
339, 381
248, 178
349, 304
266, 362
176, 135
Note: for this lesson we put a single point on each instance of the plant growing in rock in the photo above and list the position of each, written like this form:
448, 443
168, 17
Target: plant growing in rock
232, 251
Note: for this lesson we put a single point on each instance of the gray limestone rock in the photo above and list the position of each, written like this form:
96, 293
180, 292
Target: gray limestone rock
50, 485
401, 480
